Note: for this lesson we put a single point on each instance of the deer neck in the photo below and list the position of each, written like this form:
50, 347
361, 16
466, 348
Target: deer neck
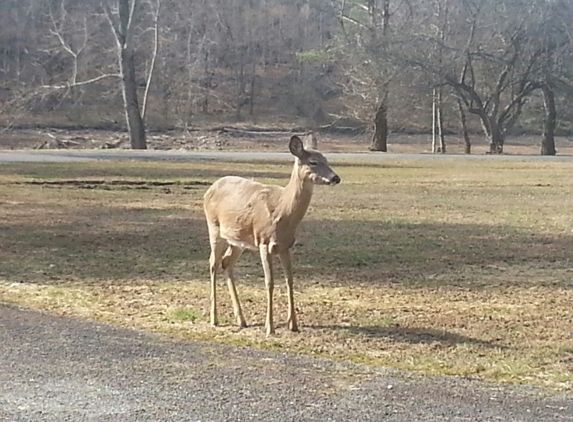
295, 198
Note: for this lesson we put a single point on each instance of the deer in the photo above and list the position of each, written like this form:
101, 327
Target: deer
245, 214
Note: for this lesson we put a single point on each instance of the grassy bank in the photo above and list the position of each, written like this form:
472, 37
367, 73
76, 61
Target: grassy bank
444, 267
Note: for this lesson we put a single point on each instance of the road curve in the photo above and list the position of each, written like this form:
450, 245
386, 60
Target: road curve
62, 369
156, 155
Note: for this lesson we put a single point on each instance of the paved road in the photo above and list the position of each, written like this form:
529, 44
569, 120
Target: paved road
89, 155
60, 369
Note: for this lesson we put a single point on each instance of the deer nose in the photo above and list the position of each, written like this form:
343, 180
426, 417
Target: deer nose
336, 179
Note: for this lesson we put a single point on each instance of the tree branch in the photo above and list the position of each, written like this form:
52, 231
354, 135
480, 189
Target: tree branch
153, 58
112, 23
354, 21
86, 82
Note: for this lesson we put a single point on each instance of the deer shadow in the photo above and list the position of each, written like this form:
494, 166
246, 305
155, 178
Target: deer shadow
410, 335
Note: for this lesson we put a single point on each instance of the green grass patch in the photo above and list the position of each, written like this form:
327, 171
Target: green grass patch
184, 314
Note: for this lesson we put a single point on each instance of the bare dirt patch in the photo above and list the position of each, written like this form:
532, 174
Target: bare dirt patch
267, 141
115, 184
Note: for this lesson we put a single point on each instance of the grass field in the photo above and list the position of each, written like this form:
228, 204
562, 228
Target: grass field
442, 267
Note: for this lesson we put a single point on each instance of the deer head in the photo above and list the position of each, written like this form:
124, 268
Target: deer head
311, 164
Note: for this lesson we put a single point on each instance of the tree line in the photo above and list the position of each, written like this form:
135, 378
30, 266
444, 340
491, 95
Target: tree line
493, 66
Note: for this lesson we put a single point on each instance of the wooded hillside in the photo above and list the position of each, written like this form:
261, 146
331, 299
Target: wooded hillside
374, 65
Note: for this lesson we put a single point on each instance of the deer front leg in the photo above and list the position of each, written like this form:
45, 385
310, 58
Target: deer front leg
217, 249
285, 257
266, 259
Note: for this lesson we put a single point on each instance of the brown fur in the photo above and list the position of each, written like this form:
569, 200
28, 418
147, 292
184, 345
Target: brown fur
242, 213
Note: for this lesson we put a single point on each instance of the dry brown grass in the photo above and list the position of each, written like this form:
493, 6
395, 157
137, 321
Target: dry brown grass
457, 267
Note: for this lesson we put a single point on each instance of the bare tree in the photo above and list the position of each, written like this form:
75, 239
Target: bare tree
437, 94
73, 47
554, 36
507, 58
367, 30
71, 34
122, 18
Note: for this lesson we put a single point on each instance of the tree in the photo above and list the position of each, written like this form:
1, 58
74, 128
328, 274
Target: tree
123, 19
368, 35
508, 57
437, 93
553, 33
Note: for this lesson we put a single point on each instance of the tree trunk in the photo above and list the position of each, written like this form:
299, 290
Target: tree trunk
380, 137
206, 83
441, 136
496, 141
241, 99
493, 134
121, 27
135, 122
548, 140
434, 122
438, 140
463, 120
440, 118
252, 96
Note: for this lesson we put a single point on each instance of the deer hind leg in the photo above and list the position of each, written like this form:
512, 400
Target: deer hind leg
217, 249
266, 259
231, 257
285, 257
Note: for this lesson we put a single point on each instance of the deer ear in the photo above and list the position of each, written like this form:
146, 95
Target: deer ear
296, 147
310, 141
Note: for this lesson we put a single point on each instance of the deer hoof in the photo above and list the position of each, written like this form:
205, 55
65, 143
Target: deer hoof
292, 325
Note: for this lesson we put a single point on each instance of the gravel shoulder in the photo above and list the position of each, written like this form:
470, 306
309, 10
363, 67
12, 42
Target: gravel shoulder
63, 369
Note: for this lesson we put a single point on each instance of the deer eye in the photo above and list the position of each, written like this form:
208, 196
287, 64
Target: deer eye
313, 163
